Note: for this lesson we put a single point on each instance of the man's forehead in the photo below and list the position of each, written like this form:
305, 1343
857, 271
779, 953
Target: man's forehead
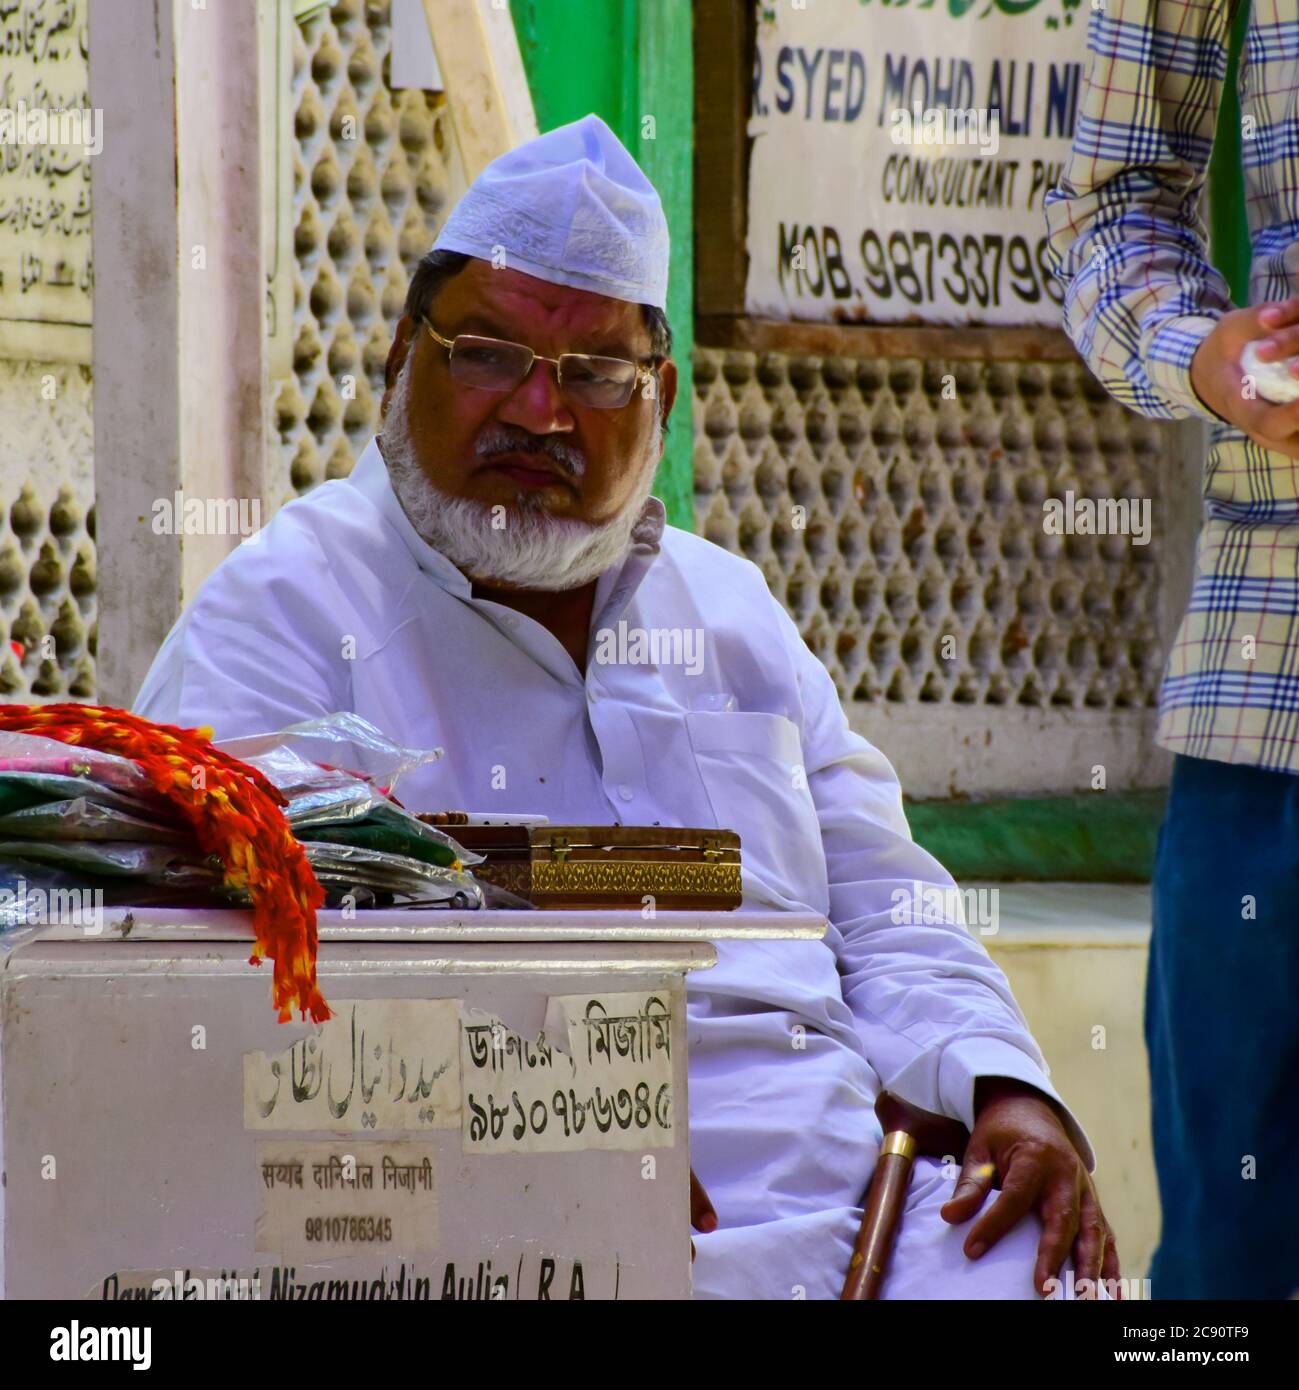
511, 299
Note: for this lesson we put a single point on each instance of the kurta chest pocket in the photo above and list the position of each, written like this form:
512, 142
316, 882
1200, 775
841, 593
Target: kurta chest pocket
751, 765
742, 734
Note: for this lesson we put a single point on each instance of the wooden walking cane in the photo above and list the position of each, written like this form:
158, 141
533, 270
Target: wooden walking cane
907, 1132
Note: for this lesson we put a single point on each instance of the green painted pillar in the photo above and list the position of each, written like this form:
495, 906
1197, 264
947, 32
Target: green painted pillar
632, 63
1229, 246
667, 99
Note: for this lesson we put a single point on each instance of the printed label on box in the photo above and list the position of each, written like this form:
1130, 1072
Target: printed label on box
329, 1200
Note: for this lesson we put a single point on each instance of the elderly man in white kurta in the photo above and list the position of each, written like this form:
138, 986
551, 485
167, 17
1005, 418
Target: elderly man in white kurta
494, 577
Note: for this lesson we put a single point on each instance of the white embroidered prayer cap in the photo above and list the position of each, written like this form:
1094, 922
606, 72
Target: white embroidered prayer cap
571, 207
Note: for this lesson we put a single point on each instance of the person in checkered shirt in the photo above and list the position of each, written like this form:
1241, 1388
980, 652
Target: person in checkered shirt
1155, 322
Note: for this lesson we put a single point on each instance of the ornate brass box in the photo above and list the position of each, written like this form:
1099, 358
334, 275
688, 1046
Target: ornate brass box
568, 866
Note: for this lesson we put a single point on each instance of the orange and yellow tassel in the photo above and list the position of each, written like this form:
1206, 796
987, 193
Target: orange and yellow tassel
235, 815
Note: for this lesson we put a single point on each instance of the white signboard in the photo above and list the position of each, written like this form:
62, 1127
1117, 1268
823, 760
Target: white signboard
48, 135
901, 156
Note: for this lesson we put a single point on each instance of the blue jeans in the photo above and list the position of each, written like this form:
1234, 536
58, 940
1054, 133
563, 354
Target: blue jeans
1222, 1031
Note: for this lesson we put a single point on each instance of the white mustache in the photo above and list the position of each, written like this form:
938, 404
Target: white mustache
497, 439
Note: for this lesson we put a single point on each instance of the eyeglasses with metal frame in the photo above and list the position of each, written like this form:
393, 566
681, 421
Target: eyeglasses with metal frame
493, 364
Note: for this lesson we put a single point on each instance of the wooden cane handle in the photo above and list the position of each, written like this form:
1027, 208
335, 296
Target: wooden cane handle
884, 1203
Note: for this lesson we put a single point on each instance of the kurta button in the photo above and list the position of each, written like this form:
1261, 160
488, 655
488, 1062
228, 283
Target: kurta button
625, 792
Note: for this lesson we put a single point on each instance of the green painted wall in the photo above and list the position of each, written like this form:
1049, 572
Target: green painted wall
632, 63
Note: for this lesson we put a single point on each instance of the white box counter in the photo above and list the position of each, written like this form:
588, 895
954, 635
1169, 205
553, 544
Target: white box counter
496, 1110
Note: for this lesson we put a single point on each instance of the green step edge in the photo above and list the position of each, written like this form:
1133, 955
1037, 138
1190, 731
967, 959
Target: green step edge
1104, 837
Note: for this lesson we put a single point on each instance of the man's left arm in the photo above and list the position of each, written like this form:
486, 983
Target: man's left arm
936, 1015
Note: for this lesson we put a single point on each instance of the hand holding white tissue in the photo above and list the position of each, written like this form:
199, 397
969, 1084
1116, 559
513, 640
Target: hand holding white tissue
1272, 380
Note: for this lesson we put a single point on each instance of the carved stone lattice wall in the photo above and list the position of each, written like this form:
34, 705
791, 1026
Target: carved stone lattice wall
922, 520
47, 533
365, 209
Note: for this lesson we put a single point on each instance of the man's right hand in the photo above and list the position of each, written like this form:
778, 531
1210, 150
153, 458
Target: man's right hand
1218, 379
702, 1216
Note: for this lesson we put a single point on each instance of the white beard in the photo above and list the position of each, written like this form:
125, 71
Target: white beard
533, 550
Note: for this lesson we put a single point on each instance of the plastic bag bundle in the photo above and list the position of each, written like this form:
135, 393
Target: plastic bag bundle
231, 812
33, 754
338, 774
393, 830
89, 816
340, 742
84, 818
365, 848
371, 878
80, 828
111, 859
75, 820
36, 770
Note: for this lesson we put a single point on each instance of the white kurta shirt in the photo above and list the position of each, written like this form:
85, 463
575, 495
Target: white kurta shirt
339, 605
